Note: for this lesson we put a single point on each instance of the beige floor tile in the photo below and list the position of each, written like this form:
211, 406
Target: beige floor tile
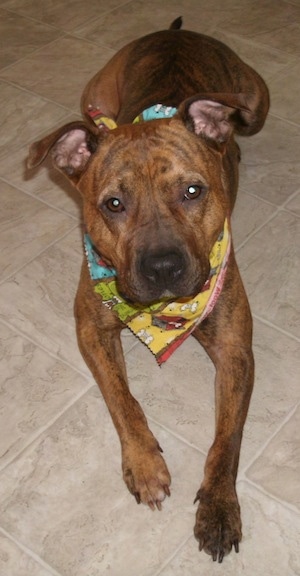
277, 469
269, 265
27, 227
64, 15
283, 89
294, 204
285, 38
21, 36
23, 117
270, 165
65, 498
270, 544
180, 394
268, 62
61, 80
39, 301
242, 225
258, 18
45, 182
120, 26
15, 562
34, 389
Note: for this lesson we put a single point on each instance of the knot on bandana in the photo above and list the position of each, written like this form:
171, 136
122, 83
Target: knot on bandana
163, 326
153, 113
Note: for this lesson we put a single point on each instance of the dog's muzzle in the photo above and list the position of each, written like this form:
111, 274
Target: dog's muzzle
162, 270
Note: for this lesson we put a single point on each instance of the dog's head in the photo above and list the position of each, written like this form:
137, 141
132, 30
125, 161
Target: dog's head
155, 194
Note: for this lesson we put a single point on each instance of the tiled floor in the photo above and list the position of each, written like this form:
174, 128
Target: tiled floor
64, 508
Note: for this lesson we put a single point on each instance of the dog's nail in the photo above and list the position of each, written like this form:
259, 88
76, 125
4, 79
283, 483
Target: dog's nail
201, 544
137, 497
160, 449
214, 556
197, 497
158, 505
151, 505
221, 556
236, 546
167, 490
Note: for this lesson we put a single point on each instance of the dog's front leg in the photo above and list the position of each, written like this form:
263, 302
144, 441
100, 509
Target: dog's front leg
226, 336
144, 470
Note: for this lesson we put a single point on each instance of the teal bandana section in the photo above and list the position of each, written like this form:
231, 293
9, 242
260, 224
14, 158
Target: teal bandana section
97, 267
155, 112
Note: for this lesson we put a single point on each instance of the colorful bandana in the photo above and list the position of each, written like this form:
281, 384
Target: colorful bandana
153, 113
162, 326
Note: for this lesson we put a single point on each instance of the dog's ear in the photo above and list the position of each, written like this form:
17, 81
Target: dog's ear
71, 147
215, 116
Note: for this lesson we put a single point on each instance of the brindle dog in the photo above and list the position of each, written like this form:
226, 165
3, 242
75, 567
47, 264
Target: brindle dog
155, 197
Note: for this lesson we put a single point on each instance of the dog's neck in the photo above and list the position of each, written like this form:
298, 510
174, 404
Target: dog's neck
162, 326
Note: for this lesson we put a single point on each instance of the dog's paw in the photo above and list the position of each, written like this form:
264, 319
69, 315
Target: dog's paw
218, 524
146, 476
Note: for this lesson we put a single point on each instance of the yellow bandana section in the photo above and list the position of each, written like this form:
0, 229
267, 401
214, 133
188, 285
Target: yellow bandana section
163, 326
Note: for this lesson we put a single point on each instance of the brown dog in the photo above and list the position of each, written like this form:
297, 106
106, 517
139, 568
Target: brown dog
158, 196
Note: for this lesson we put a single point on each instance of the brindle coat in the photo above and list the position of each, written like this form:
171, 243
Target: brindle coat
135, 182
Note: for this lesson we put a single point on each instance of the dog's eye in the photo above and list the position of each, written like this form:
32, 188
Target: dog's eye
114, 205
193, 191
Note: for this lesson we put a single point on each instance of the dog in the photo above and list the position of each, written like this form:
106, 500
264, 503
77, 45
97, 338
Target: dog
157, 166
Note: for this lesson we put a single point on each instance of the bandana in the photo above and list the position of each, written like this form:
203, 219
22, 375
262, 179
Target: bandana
153, 113
163, 326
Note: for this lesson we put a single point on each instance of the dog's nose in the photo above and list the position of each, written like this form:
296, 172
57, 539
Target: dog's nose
163, 268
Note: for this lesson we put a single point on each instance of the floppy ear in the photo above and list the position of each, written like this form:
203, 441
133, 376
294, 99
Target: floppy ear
215, 116
71, 147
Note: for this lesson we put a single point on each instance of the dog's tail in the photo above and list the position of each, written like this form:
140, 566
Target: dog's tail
176, 24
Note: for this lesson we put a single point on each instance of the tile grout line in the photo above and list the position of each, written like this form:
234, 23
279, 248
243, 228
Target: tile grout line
44, 349
263, 491
275, 327
278, 210
44, 202
17, 271
259, 452
172, 556
29, 552
35, 436
174, 434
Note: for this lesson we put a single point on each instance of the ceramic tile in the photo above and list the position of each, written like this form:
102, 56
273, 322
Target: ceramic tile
39, 300
27, 227
21, 36
23, 117
283, 89
285, 38
15, 562
294, 204
65, 498
270, 163
61, 80
270, 544
269, 265
34, 388
242, 225
180, 394
120, 26
45, 182
277, 469
256, 19
64, 16
268, 62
